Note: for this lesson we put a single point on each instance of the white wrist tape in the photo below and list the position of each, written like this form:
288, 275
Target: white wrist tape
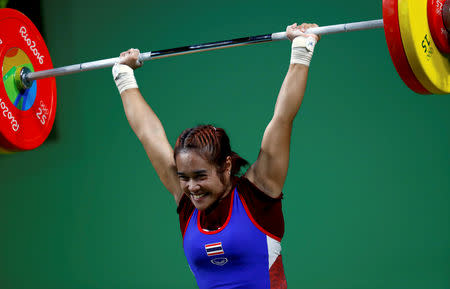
124, 77
302, 49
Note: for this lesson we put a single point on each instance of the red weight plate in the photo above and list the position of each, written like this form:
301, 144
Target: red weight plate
26, 118
436, 24
395, 46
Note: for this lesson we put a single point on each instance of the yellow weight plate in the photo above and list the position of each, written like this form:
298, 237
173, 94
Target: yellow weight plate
430, 66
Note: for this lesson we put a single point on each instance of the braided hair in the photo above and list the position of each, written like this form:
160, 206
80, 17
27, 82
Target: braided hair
213, 144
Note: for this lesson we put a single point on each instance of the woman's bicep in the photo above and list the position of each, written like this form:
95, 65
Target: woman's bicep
160, 154
269, 171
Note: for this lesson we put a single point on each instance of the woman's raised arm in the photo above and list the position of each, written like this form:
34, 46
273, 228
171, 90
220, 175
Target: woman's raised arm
145, 124
269, 171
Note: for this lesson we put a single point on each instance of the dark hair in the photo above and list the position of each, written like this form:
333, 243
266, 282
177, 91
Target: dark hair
213, 144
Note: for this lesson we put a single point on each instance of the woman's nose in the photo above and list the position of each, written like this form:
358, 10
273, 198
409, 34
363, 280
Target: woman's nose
193, 186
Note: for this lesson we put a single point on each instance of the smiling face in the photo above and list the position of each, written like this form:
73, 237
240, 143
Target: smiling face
200, 180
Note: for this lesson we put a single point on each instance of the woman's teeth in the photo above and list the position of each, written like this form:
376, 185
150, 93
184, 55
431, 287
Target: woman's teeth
197, 197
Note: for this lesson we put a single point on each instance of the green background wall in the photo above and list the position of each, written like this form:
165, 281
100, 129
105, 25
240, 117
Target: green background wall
367, 198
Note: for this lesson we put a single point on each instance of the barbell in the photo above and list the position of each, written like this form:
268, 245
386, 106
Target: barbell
416, 34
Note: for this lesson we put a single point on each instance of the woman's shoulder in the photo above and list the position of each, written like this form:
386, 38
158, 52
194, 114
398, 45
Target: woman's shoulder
247, 188
265, 210
184, 210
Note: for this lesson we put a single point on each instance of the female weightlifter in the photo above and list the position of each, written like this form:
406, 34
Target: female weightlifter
231, 226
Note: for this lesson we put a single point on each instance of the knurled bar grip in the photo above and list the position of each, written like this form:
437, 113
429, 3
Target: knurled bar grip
75, 68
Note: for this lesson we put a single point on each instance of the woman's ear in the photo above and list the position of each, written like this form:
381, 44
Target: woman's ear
228, 165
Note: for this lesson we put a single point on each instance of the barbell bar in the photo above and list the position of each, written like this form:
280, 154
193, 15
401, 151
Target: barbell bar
28, 94
27, 78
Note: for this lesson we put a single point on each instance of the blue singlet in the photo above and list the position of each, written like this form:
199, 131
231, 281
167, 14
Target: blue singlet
237, 255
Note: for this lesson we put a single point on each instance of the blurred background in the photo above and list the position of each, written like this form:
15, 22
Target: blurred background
367, 198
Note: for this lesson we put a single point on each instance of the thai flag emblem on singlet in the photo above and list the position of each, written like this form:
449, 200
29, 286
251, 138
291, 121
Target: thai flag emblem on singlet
214, 249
